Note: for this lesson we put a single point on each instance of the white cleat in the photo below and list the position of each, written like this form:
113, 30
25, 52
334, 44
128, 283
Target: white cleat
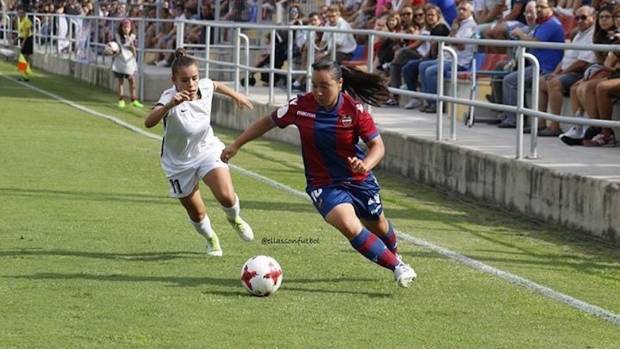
213, 246
404, 275
243, 229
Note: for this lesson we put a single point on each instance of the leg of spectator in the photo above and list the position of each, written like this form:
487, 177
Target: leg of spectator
588, 98
574, 100
556, 97
604, 90
509, 96
410, 74
543, 99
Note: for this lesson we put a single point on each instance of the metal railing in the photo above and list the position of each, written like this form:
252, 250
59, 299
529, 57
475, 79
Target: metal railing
235, 67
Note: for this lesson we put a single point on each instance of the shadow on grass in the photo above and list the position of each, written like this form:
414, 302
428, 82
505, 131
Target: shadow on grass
177, 281
141, 257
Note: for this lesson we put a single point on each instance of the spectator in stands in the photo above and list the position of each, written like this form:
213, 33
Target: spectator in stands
489, 13
435, 26
464, 27
264, 60
168, 41
362, 18
314, 19
512, 19
407, 59
448, 9
583, 93
344, 43
406, 18
387, 46
556, 84
607, 89
549, 29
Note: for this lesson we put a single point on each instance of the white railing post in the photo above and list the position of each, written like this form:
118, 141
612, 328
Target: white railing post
453, 81
534, 119
520, 99
310, 60
247, 62
272, 63
439, 102
141, 47
237, 56
371, 60
207, 49
289, 75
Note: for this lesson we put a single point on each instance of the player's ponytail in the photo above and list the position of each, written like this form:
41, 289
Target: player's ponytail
369, 88
181, 60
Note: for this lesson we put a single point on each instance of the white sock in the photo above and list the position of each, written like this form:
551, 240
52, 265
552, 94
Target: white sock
203, 227
232, 213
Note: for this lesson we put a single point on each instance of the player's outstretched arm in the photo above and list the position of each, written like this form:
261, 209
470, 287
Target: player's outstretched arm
160, 111
376, 151
240, 99
257, 129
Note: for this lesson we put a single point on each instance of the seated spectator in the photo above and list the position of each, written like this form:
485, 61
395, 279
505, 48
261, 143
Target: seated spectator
387, 46
512, 19
361, 18
489, 13
556, 84
301, 41
464, 26
406, 18
407, 59
549, 29
583, 93
344, 43
264, 60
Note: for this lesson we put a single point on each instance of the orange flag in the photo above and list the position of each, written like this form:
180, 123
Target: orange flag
22, 66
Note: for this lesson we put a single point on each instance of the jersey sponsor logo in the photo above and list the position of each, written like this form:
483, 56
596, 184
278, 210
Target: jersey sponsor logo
281, 112
306, 114
346, 120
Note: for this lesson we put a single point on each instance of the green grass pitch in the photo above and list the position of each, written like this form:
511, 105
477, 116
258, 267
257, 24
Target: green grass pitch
94, 254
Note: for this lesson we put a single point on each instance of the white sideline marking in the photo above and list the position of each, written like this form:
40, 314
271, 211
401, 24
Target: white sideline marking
475, 264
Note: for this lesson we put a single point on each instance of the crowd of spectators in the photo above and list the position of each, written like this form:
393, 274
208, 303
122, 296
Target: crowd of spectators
590, 79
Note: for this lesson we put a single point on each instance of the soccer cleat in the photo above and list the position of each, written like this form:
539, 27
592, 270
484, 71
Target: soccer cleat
137, 104
121, 104
243, 229
404, 275
213, 246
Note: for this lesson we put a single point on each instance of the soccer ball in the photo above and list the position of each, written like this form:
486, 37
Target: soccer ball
261, 275
111, 48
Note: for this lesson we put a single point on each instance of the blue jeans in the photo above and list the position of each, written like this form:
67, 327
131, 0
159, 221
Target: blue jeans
428, 74
410, 73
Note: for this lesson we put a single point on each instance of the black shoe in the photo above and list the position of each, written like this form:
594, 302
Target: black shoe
507, 125
489, 98
430, 109
571, 141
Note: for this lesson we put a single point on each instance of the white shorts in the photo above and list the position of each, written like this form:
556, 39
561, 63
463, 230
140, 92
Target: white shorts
182, 183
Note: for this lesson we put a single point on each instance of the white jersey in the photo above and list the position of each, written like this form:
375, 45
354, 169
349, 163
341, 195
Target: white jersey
188, 136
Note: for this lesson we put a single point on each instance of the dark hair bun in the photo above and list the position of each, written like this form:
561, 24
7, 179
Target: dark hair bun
180, 52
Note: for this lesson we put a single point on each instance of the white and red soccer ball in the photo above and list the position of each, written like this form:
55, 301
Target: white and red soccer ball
261, 275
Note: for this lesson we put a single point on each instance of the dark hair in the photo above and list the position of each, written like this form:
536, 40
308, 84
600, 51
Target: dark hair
181, 60
601, 36
370, 88
119, 30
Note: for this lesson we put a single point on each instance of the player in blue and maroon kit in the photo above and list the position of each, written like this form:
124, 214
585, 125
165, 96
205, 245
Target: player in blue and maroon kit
338, 171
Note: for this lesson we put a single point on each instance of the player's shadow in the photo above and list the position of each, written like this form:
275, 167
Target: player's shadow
86, 196
139, 257
172, 281
305, 285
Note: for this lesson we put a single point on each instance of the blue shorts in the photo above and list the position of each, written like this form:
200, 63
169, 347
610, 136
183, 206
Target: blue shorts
364, 197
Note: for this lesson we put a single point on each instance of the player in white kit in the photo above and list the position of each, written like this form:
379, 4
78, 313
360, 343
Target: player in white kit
190, 151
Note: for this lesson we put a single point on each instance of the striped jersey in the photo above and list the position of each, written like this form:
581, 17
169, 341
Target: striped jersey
329, 137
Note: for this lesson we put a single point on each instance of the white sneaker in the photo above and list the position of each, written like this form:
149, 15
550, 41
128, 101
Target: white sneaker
413, 104
213, 246
404, 275
243, 229
575, 132
162, 63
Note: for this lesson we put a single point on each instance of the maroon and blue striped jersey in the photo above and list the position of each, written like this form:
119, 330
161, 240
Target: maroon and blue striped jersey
329, 137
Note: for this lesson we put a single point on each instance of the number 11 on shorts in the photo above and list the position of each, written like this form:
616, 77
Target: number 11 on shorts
176, 186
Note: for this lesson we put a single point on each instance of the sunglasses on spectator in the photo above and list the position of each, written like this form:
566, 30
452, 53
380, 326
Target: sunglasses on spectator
419, 14
604, 17
581, 18
541, 6
406, 14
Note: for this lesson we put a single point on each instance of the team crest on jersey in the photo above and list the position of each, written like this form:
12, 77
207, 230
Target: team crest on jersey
346, 120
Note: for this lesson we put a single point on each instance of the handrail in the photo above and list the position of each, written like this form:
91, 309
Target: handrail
237, 65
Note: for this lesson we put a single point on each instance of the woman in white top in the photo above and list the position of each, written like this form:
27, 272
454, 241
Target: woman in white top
190, 151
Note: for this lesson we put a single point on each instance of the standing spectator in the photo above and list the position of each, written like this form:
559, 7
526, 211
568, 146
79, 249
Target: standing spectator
549, 29
344, 43
556, 84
